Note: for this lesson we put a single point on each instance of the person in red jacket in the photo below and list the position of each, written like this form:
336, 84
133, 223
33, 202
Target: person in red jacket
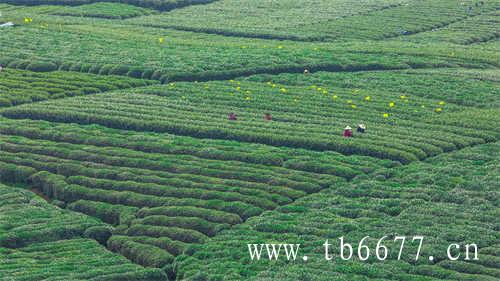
231, 116
268, 117
347, 132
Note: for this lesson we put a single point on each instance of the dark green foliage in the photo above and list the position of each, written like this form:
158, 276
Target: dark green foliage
99, 233
42, 66
27, 219
402, 203
15, 173
18, 86
163, 5
142, 254
73, 259
112, 214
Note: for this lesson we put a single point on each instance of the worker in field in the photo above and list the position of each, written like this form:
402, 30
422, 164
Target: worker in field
347, 132
232, 116
268, 117
361, 128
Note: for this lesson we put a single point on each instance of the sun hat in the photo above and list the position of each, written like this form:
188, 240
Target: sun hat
348, 128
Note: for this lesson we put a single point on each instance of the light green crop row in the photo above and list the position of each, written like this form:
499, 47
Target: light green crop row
401, 127
20, 86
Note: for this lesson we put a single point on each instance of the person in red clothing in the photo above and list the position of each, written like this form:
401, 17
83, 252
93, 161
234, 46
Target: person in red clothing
347, 132
231, 116
268, 117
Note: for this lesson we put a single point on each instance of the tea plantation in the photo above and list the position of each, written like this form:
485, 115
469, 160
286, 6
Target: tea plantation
155, 139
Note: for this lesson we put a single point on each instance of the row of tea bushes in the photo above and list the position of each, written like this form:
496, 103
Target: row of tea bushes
400, 129
166, 55
451, 198
27, 219
73, 259
39, 241
322, 20
468, 87
300, 159
20, 86
163, 5
479, 28
103, 10
159, 202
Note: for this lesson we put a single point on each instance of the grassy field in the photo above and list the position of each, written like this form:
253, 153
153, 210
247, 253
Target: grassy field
118, 160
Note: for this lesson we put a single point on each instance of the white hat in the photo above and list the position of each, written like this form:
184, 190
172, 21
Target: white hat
348, 128
362, 126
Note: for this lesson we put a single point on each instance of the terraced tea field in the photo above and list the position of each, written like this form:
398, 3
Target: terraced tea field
40, 241
25, 86
153, 140
427, 197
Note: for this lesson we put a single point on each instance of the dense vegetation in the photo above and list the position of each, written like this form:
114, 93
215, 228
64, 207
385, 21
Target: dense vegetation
40, 241
118, 161
159, 202
17, 86
452, 198
104, 10
325, 20
310, 117
26, 218
469, 87
168, 55
299, 159
155, 4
